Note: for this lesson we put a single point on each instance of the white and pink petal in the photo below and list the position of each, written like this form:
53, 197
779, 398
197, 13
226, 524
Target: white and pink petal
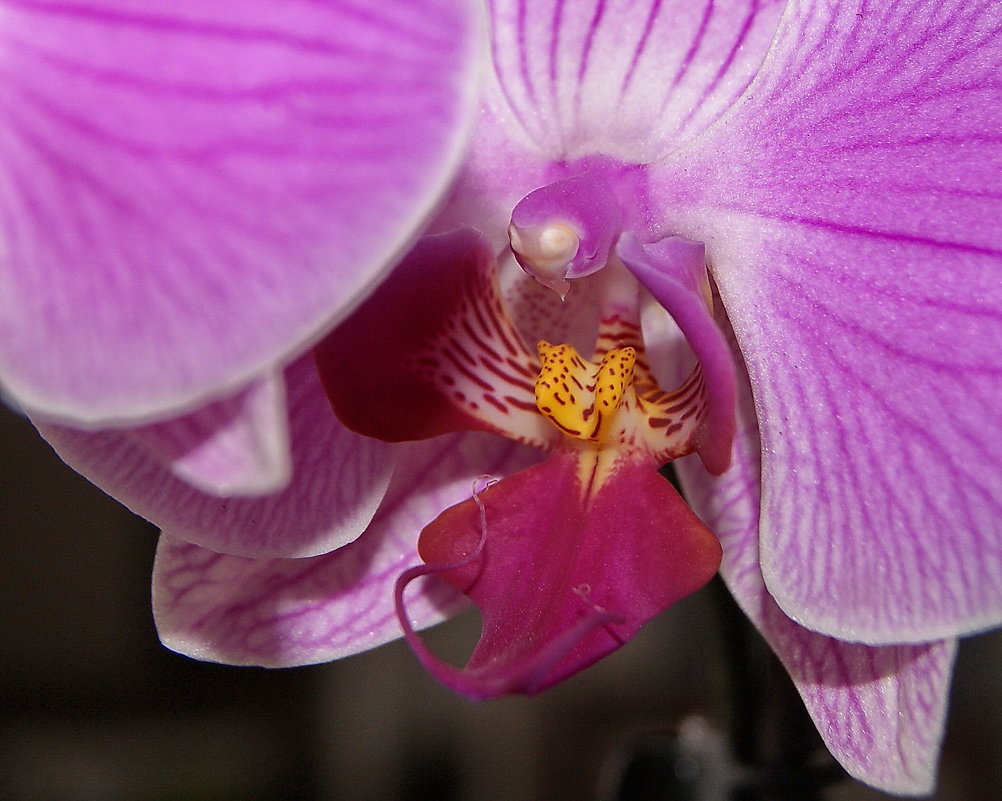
238, 445
281, 612
629, 80
849, 203
338, 478
879, 709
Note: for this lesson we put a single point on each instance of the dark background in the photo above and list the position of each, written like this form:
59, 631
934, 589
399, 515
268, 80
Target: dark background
93, 707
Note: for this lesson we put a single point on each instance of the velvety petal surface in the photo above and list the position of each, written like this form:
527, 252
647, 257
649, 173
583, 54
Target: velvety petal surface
279, 612
850, 206
880, 710
625, 79
235, 446
563, 570
192, 191
338, 481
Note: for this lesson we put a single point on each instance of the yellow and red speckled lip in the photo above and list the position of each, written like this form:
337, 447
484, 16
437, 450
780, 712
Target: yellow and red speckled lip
580, 398
615, 402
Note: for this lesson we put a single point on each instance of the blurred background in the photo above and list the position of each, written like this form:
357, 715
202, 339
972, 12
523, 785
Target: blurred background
94, 708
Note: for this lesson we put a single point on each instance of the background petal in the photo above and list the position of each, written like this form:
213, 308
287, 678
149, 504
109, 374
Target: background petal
625, 79
631, 81
880, 710
234, 446
850, 206
279, 612
195, 191
338, 481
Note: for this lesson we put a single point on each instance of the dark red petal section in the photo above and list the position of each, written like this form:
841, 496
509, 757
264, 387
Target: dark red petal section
363, 362
562, 576
433, 350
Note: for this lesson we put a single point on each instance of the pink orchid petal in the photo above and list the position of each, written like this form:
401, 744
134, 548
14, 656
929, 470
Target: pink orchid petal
235, 446
628, 80
880, 710
562, 574
433, 351
338, 481
673, 270
850, 208
279, 612
196, 191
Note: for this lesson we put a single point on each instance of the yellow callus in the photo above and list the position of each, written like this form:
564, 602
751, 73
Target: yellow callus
580, 397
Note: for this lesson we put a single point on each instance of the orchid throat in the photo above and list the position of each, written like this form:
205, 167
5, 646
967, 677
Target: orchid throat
568, 558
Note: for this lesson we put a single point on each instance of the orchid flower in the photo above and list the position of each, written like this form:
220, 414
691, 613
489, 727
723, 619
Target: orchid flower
196, 194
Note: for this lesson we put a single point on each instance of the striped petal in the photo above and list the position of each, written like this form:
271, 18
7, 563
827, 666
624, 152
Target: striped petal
434, 350
193, 192
280, 612
338, 480
850, 208
629, 80
626, 80
880, 710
